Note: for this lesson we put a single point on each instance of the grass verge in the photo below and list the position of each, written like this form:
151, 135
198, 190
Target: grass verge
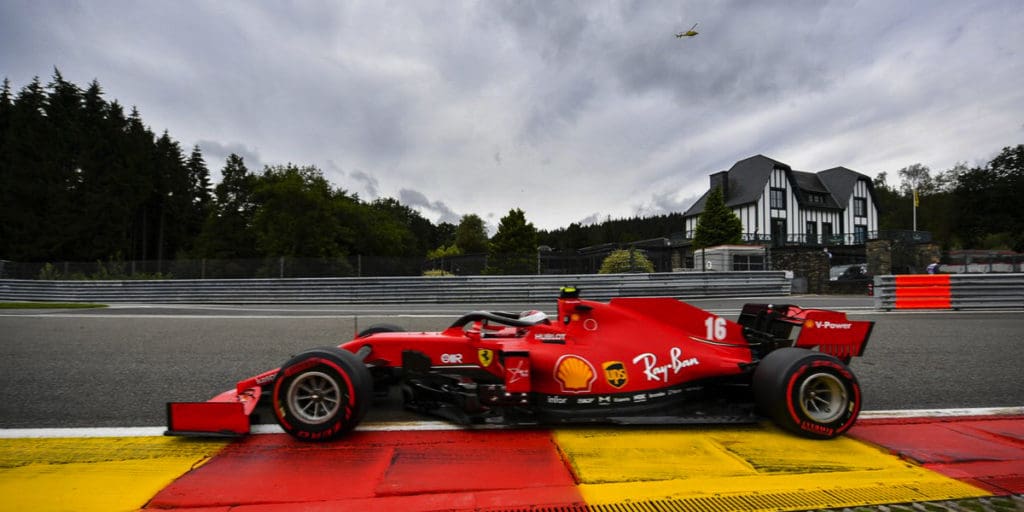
49, 305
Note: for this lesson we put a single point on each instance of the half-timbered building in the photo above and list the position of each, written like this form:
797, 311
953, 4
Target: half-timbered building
780, 206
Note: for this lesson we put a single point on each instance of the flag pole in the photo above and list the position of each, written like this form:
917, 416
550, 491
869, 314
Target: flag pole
916, 201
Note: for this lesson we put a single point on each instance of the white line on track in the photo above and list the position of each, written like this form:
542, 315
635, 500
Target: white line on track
41, 433
942, 413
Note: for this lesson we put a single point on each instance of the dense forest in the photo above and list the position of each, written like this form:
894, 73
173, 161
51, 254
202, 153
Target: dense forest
85, 180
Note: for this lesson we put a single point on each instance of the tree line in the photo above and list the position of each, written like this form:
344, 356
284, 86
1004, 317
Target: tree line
84, 179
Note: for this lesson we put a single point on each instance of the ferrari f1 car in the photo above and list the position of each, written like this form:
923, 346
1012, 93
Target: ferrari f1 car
627, 361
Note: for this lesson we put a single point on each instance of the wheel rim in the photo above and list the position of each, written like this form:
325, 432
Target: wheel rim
314, 397
823, 398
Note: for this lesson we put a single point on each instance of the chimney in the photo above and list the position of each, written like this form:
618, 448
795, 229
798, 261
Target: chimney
721, 179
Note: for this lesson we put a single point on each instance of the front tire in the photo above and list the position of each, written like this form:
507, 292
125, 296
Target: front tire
808, 393
379, 328
321, 394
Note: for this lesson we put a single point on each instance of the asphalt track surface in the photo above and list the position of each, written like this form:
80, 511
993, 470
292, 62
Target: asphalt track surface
117, 366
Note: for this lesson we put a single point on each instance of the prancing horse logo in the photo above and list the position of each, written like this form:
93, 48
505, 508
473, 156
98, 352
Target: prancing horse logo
486, 357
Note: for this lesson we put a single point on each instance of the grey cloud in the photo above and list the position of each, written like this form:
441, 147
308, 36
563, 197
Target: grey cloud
414, 199
557, 106
665, 202
593, 218
369, 183
216, 153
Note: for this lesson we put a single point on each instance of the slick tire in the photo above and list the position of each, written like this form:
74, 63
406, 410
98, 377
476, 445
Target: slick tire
322, 394
378, 328
808, 393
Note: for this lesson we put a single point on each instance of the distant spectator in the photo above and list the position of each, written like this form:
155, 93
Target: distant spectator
933, 268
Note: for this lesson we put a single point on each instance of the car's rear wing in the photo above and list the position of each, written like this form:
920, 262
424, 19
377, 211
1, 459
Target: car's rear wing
827, 331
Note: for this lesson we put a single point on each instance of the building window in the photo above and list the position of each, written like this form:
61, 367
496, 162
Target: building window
816, 198
778, 232
777, 198
812, 232
747, 262
860, 207
860, 234
826, 233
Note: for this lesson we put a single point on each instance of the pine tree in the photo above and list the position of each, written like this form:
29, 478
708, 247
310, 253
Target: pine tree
24, 196
717, 224
6, 197
199, 195
227, 232
142, 180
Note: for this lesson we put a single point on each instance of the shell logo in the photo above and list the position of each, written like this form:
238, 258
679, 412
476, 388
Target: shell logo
575, 374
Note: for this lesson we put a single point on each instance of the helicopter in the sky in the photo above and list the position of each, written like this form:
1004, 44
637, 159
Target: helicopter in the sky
688, 33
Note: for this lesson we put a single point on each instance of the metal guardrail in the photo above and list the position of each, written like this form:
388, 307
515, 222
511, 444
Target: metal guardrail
959, 291
419, 290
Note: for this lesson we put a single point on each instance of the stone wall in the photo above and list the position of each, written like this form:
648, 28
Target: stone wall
879, 254
886, 257
809, 265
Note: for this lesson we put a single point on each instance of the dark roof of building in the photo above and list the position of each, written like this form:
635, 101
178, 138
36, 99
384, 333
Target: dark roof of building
841, 181
747, 179
808, 183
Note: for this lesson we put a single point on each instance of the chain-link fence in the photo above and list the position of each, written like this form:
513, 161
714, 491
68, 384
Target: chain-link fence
542, 262
665, 258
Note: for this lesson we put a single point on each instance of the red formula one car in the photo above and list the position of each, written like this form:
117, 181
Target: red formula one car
627, 361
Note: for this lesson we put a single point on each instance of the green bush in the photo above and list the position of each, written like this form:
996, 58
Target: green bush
50, 273
623, 260
112, 270
437, 273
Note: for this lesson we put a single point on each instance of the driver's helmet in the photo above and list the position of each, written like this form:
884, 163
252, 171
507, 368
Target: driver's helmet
533, 316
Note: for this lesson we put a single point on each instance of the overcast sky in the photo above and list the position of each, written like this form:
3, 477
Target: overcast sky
572, 111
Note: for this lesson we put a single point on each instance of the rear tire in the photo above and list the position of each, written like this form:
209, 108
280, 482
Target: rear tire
808, 393
321, 394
